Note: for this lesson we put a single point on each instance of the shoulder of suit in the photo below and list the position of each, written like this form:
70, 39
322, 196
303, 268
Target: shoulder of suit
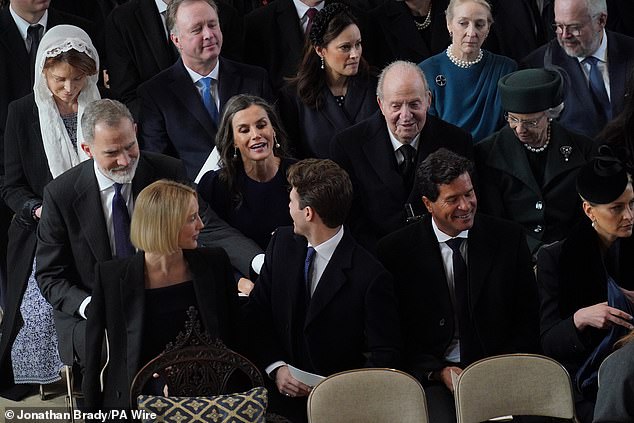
371, 124
168, 165
497, 226
243, 68
66, 181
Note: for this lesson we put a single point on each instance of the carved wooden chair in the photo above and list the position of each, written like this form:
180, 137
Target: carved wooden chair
196, 365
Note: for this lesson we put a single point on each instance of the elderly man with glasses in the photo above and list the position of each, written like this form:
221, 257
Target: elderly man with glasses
594, 64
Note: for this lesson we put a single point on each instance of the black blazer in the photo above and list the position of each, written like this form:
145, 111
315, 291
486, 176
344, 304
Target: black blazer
173, 119
502, 292
26, 175
138, 48
366, 153
72, 237
579, 114
311, 129
117, 309
570, 276
351, 321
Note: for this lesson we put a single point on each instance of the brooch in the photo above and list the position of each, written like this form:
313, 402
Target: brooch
565, 151
441, 81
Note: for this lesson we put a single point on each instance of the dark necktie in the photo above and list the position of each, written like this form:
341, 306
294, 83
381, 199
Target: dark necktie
597, 86
208, 98
406, 168
311, 16
310, 256
460, 280
121, 224
33, 37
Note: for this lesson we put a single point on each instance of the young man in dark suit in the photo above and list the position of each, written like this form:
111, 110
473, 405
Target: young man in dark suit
373, 152
464, 282
322, 303
181, 106
78, 228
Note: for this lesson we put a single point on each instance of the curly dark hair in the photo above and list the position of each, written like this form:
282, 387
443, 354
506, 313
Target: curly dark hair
439, 168
232, 164
327, 25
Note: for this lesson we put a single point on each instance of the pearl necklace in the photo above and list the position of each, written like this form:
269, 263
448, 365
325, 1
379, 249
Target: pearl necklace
543, 147
426, 22
462, 63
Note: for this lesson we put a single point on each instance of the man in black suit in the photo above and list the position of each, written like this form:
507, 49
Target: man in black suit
594, 63
77, 229
16, 72
322, 303
464, 282
374, 152
138, 45
182, 105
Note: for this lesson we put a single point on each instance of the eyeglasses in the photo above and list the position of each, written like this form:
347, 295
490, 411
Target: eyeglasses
528, 123
572, 29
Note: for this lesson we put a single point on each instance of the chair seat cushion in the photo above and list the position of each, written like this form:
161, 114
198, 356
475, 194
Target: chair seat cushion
247, 407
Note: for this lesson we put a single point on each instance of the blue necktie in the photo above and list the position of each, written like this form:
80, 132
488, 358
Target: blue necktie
310, 256
597, 86
208, 98
121, 224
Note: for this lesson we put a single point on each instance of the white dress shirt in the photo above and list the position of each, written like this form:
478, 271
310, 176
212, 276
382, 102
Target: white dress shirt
23, 26
602, 54
396, 144
452, 354
195, 76
302, 8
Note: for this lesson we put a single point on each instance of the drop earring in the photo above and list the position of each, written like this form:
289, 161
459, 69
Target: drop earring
277, 144
594, 223
322, 62
235, 153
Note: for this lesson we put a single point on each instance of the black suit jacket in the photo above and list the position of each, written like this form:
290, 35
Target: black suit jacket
118, 308
173, 119
366, 153
138, 48
72, 237
502, 292
579, 114
351, 321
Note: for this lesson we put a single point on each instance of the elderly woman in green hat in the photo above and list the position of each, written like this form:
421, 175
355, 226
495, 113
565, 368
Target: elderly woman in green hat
527, 170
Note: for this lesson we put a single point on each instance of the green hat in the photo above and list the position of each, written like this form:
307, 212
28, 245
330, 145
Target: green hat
530, 90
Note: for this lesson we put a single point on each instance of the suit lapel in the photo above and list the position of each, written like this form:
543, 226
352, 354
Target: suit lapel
143, 176
183, 89
228, 82
617, 71
13, 42
132, 293
481, 249
153, 32
288, 22
577, 80
88, 209
556, 162
333, 278
378, 151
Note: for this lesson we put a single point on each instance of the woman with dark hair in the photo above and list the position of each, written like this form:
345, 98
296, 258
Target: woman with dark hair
583, 280
140, 303
41, 142
333, 88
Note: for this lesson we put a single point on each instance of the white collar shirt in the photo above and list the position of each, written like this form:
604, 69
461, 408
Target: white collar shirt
195, 76
602, 54
23, 26
323, 254
302, 8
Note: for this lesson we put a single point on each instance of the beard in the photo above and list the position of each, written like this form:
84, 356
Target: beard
122, 174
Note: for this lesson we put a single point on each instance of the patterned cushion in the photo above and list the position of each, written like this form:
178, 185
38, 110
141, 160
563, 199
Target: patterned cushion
246, 407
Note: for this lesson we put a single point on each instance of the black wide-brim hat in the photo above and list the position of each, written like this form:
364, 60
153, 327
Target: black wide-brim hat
603, 179
530, 90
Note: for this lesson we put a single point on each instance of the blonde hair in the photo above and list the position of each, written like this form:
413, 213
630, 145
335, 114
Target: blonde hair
160, 211
453, 3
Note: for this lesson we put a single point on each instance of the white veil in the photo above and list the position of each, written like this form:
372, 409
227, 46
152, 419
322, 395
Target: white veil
60, 152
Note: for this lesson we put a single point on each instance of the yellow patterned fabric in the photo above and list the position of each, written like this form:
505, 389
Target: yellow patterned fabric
246, 407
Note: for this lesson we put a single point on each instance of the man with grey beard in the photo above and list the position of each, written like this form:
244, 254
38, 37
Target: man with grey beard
594, 64
86, 215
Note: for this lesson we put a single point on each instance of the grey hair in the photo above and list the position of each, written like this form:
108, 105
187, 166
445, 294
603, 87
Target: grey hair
105, 110
596, 7
453, 3
554, 112
399, 64
172, 9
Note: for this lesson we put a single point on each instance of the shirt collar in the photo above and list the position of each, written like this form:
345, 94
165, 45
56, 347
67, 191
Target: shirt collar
396, 144
327, 248
443, 237
195, 76
160, 4
302, 8
602, 52
23, 25
102, 180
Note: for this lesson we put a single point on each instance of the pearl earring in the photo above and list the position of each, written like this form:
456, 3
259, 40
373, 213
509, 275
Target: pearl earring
235, 153
277, 144
322, 62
